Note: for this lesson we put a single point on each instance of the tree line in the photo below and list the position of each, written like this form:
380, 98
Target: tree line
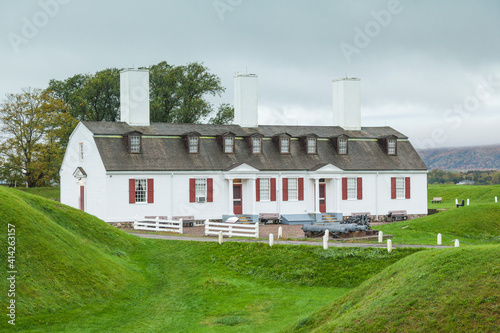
437, 176
36, 123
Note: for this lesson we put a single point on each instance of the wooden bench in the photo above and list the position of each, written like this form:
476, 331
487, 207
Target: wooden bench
397, 215
187, 221
437, 200
265, 217
362, 213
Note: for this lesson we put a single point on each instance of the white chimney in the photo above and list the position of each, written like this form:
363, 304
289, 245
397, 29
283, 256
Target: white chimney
245, 100
347, 103
134, 97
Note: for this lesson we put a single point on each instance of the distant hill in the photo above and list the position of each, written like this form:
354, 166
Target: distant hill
462, 158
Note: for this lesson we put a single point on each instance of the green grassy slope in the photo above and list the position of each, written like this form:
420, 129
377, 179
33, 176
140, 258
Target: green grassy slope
449, 290
478, 223
52, 192
476, 194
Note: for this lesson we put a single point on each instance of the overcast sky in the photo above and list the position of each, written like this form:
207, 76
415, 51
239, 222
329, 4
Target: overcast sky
430, 69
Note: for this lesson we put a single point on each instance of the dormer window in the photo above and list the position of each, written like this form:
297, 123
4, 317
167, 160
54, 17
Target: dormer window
194, 144
391, 146
342, 146
229, 144
135, 144
285, 145
256, 145
311, 145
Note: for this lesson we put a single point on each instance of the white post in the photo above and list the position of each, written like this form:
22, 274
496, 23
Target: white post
456, 202
316, 195
257, 229
157, 224
325, 241
440, 239
496, 199
457, 243
327, 233
207, 227
220, 237
271, 239
467, 202
230, 231
380, 236
389, 246
181, 226
135, 221
280, 232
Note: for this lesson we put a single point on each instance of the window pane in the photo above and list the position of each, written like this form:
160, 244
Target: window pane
400, 188
256, 145
311, 145
293, 193
352, 188
135, 144
193, 144
265, 189
342, 146
201, 189
141, 190
228, 145
285, 145
391, 147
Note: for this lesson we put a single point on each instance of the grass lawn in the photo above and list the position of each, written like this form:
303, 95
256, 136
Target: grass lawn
52, 192
476, 194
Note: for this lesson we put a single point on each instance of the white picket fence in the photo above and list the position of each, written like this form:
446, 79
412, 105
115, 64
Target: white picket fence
232, 229
159, 225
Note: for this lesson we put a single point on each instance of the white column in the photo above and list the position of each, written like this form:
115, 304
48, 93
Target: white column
230, 193
339, 193
254, 195
316, 195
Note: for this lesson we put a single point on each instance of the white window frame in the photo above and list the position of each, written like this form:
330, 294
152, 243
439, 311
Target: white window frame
201, 189
293, 189
141, 194
352, 188
193, 144
285, 148
256, 145
391, 146
135, 144
400, 188
265, 189
228, 148
342, 146
80, 151
311, 145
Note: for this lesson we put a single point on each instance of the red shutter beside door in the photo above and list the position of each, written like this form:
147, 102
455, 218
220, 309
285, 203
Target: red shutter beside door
210, 190
393, 187
301, 188
344, 188
131, 191
257, 189
285, 189
151, 190
407, 188
273, 189
360, 188
192, 190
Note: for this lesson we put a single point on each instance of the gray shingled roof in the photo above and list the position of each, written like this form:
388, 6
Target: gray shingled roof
170, 154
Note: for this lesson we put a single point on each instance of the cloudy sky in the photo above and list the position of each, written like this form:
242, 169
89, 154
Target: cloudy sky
430, 69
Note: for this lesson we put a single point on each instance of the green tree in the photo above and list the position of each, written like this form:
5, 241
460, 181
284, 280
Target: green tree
36, 129
224, 115
94, 97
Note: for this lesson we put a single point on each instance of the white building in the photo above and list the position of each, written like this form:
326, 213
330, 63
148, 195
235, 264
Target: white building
117, 170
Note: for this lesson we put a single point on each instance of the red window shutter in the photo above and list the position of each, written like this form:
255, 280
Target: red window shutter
131, 191
192, 190
210, 190
301, 188
285, 189
273, 189
257, 189
360, 188
407, 188
393, 187
344, 188
151, 190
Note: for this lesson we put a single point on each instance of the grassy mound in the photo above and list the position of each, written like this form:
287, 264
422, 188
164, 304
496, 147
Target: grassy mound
449, 290
49, 192
476, 194
64, 258
479, 223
